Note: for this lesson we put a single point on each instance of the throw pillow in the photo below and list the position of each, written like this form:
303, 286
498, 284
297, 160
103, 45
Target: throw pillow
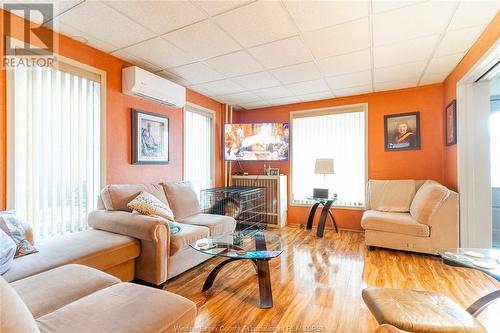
147, 204
7, 251
13, 227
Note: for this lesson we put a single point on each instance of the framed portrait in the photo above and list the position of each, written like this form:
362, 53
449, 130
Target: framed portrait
450, 113
402, 131
149, 138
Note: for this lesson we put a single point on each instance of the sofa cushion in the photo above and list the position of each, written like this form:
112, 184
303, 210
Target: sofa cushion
94, 248
120, 308
188, 234
429, 197
48, 291
182, 198
390, 195
398, 223
14, 315
218, 224
117, 196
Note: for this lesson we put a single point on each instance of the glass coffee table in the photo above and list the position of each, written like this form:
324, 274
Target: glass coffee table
257, 246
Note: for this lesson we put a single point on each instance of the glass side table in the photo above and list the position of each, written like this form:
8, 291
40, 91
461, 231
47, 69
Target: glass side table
326, 212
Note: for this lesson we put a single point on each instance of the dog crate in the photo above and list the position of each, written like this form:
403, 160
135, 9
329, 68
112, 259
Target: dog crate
247, 205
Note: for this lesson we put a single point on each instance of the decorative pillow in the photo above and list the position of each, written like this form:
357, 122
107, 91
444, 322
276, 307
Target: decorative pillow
429, 197
147, 204
11, 225
7, 251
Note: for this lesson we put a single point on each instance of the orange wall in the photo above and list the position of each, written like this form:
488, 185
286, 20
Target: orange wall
426, 163
118, 118
489, 37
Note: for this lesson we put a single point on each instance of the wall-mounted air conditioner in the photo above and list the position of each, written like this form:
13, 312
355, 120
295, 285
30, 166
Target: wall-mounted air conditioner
138, 82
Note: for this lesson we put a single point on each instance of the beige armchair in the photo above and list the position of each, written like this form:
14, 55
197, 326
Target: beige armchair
410, 215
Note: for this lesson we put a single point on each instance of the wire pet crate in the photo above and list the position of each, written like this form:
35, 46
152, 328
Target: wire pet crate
245, 204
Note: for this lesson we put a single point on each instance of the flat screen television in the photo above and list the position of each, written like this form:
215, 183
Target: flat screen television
256, 142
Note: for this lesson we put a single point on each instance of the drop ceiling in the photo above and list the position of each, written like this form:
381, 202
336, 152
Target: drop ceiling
254, 54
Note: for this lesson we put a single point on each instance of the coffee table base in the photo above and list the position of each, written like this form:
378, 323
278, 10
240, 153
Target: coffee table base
264, 277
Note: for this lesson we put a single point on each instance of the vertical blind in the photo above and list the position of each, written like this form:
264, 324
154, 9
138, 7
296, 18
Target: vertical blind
56, 149
340, 136
199, 147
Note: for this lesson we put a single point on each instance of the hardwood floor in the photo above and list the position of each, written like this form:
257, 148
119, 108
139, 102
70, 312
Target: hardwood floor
317, 282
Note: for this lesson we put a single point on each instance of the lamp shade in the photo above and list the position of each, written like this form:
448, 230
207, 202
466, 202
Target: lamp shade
324, 166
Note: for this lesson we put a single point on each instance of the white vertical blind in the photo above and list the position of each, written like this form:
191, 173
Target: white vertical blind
56, 149
336, 135
199, 147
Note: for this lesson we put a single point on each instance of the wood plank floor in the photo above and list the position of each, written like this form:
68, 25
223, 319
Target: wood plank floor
317, 282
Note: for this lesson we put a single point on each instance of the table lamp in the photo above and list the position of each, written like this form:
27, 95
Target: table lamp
323, 166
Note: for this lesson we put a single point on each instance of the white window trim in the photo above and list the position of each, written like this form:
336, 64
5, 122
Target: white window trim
10, 122
329, 110
191, 107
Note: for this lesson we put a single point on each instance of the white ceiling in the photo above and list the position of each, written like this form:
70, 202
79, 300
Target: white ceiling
261, 53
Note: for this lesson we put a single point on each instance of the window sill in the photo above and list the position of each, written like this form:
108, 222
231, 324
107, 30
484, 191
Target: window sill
296, 204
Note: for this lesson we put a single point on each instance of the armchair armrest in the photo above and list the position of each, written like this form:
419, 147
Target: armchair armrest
153, 232
130, 224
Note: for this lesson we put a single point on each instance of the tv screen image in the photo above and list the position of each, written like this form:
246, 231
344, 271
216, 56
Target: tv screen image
256, 142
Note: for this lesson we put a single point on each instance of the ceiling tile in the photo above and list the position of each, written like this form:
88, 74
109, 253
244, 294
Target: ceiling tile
458, 41
399, 84
196, 73
255, 105
58, 8
316, 96
312, 15
352, 91
444, 64
379, 6
284, 100
241, 98
203, 40
257, 23
472, 13
350, 80
339, 39
159, 16
92, 41
214, 7
234, 64
159, 52
400, 72
346, 63
256, 81
136, 61
172, 77
404, 52
104, 23
282, 53
406, 23
297, 73
433, 78
273, 93
308, 87
221, 87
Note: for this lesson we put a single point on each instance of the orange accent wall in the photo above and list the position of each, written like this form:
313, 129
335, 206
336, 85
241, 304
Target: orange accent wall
426, 163
118, 117
489, 37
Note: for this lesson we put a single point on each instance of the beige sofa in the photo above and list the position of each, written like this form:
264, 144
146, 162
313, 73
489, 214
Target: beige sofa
410, 215
76, 298
163, 255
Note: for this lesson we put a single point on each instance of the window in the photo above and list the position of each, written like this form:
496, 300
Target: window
338, 134
55, 140
199, 147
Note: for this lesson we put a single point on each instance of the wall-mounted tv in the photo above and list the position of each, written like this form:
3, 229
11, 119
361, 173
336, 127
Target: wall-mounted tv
256, 142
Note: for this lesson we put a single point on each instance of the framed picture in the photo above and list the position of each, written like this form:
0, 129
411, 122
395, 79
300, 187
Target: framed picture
402, 131
450, 113
274, 172
149, 138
